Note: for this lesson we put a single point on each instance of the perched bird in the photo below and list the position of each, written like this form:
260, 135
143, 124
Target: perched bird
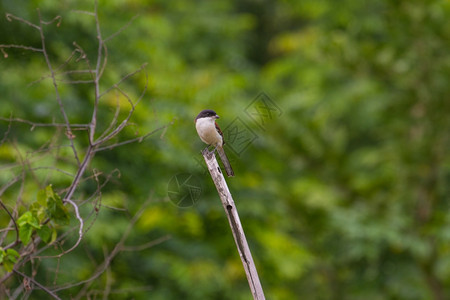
210, 133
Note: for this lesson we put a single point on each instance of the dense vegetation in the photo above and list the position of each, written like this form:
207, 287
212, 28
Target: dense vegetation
342, 180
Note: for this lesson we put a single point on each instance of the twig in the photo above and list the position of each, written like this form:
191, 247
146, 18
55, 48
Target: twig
34, 124
21, 47
120, 30
76, 81
38, 284
109, 280
98, 73
14, 223
113, 122
235, 224
65, 63
124, 123
146, 245
80, 230
2, 190
89, 13
80, 172
123, 79
54, 169
55, 84
5, 135
132, 290
11, 17
138, 139
117, 249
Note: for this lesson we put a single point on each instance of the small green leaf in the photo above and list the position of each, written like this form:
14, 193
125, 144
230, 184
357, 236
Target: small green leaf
54, 235
2, 254
55, 207
45, 233
28, 218
25, 232
24, 219
42, 198
10, 259
12, 252
34, 222
39, 211
8, 265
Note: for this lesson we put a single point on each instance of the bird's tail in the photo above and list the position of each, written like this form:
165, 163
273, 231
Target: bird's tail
225, 161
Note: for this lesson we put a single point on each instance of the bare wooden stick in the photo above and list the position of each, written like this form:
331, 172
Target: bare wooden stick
235, 224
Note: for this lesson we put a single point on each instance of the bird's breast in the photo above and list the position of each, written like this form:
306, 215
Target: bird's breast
208, 133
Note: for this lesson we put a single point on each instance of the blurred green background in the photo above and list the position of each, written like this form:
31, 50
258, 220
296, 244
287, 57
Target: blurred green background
343, 191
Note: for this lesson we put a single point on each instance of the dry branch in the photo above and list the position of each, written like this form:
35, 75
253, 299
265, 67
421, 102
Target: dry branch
235, 224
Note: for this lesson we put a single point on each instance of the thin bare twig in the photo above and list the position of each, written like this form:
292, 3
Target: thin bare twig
109, 280
98, 74
138, 139
121, 126
11, 17
117, 249
121, 29
55, 85
77, 81
65, 63
35, 124
80, 173
37, 283
12, 219
5, 135
129, 75
113, 122
57, 18
92, 294
146, 245
54, 169
21, 47
89, 13
80, 230
130, 113
97, 192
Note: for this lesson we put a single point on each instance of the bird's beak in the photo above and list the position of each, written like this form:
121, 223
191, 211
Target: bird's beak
216, 116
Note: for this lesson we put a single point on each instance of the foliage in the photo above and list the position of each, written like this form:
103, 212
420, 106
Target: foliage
343, 188
47, 207
8, 258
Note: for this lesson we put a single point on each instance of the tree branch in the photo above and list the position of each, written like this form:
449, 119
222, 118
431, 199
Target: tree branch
38, 284
235, 224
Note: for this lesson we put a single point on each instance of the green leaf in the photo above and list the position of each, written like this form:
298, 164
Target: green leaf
39, 207
45, 233
39, 211
34, 222
55, 207
28, 218
25, 218
25, 232
25, 229
8, 265
2, 254
54, 235
42, 197
12, 252
10, 259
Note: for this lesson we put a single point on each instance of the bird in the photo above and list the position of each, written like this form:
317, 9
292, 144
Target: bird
209, 132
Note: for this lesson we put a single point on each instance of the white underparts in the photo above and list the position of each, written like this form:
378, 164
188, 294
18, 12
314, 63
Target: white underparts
206, 129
